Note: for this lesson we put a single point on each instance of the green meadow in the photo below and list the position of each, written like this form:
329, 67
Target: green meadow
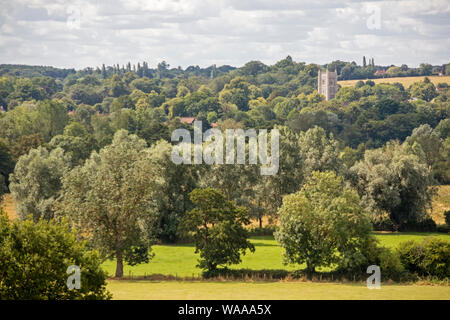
180, 259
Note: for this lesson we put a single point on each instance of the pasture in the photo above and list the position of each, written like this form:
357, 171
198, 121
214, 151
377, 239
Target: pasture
181, 260
405, 81
293, 290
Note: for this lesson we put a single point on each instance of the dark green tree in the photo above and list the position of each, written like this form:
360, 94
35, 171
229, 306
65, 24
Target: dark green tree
217, 226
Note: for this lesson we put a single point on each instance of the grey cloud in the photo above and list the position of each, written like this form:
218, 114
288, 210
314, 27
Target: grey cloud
194, 32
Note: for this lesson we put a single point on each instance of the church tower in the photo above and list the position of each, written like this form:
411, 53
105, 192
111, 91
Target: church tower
327, 83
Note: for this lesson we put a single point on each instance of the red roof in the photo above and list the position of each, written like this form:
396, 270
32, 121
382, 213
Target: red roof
187, 120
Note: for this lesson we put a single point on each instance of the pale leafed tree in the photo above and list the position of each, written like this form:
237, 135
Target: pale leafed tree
36, 182
396, 181
110, 200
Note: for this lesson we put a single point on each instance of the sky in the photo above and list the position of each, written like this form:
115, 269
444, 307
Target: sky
79, 33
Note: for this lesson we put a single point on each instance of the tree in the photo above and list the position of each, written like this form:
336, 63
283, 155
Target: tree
217, 226
34, 259
172, 196
323, 223
36, 182
6, 165
395, 181
52, 118
423, 90
429, 142
319, 153
110, 200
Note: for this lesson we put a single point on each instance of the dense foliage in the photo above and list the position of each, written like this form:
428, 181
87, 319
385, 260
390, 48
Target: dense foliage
34, 258
94, 146
323, 224
218, 229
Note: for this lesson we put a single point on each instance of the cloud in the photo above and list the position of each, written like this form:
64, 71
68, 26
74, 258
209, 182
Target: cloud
203, 32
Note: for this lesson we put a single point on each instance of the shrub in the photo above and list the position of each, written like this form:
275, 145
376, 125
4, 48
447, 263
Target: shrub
34, 258
264, 231
443, 228
426, 225
431, 257
383, 223
389, 261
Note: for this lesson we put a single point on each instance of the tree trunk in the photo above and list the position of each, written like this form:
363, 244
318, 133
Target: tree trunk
119, 266
260, 222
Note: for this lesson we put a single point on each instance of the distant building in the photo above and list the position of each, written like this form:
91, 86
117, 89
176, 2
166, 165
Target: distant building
380, 72
327, 83
188, 120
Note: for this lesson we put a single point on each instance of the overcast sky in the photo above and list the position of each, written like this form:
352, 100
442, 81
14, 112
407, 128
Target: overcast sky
204, 32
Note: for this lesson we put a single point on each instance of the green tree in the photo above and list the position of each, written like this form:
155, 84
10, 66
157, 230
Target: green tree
110, 200
34, 258
319, 153
172, 196
36, 182
323, 223
423, 90
429, 142
6, 165
393, 180
218, 229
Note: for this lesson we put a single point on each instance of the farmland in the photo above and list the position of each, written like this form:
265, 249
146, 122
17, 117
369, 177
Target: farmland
405, 81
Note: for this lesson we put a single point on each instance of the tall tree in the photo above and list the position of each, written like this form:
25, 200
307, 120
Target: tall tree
110, 200
395, 181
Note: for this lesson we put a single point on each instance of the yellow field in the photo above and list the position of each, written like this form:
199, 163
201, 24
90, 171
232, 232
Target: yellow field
406, 81
441, 203
9, 205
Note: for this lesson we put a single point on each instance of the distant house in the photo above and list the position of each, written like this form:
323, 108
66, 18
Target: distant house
188, 120
380, 72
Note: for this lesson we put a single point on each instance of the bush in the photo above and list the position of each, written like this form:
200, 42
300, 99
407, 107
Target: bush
34, 258
431, 257
383, 223
443, 228
264, 231
247, 273
426, 225
389, 261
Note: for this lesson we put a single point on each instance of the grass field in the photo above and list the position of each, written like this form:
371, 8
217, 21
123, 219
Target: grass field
181, 261
406, 81
295, 290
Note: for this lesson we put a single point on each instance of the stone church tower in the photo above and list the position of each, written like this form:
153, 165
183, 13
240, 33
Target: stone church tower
327, 83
